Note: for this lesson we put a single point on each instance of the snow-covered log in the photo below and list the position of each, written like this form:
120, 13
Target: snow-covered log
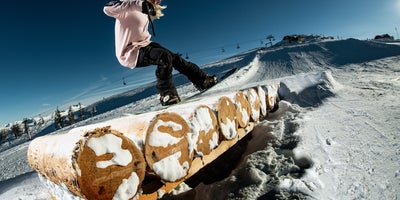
100, 164
176, 143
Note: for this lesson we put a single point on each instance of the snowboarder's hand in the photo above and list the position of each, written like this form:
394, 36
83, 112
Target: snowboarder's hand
148, 8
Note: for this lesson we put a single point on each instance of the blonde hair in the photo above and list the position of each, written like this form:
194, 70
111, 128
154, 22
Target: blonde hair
158, 9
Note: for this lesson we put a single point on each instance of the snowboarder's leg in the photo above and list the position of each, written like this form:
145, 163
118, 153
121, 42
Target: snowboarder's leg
165, 83
193, 72
153, 54
197, 76
189, 69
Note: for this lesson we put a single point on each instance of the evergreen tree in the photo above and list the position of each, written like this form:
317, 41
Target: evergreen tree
41, 121
58, 120
81, 112
16, 129
2, 134
71, 115
26, 127
93, 110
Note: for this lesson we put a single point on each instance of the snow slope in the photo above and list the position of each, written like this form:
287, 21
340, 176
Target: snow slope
335, 135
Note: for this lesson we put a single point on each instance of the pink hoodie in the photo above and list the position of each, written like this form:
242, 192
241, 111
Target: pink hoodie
131, 30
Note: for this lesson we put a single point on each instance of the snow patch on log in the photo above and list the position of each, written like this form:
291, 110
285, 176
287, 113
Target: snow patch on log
227, 118
263, 101
228, 128
272, 96
205, 130
128, 187
244, 115
254, 101
170, 169
242, 109
161, 139
109, 143
214, 141
202, 120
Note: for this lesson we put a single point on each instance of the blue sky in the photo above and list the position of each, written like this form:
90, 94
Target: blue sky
57, 53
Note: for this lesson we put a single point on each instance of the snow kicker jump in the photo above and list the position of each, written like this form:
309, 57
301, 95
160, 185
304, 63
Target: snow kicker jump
149, 154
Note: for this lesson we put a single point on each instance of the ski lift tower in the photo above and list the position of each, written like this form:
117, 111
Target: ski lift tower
270, 38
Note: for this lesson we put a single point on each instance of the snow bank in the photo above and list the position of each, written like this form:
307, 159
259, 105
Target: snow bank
308, 89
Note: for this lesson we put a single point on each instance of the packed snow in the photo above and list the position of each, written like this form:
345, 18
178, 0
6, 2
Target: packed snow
334, 136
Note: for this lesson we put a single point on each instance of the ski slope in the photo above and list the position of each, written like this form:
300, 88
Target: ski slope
335, 135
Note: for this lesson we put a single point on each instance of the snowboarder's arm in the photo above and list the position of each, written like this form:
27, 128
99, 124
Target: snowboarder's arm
115, 8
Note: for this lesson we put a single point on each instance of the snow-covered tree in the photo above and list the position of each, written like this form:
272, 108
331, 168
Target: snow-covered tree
93, 111
81, 112
2, 134
71, 115
26, 127
58, 119
16, 129
40, 121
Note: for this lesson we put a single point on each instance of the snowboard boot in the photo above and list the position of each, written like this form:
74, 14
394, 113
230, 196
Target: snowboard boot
167, 91
209, 82
169, 98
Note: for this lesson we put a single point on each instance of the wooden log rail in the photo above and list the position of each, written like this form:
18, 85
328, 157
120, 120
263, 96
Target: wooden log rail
143, 156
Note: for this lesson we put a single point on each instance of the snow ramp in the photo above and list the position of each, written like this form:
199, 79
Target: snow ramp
147, 155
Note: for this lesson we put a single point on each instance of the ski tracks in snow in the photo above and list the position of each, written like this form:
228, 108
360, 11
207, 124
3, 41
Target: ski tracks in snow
355, 147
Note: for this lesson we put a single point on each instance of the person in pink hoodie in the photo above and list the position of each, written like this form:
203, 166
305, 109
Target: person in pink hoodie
134, 48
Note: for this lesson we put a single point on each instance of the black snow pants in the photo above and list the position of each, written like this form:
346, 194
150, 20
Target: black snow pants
155, 54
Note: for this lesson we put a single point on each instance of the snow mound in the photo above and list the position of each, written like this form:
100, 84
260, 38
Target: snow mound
302, 38
308, 89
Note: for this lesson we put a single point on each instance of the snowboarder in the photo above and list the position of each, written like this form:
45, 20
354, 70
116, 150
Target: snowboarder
135, 49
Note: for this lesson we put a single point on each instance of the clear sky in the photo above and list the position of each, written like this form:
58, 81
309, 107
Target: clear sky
55, 53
